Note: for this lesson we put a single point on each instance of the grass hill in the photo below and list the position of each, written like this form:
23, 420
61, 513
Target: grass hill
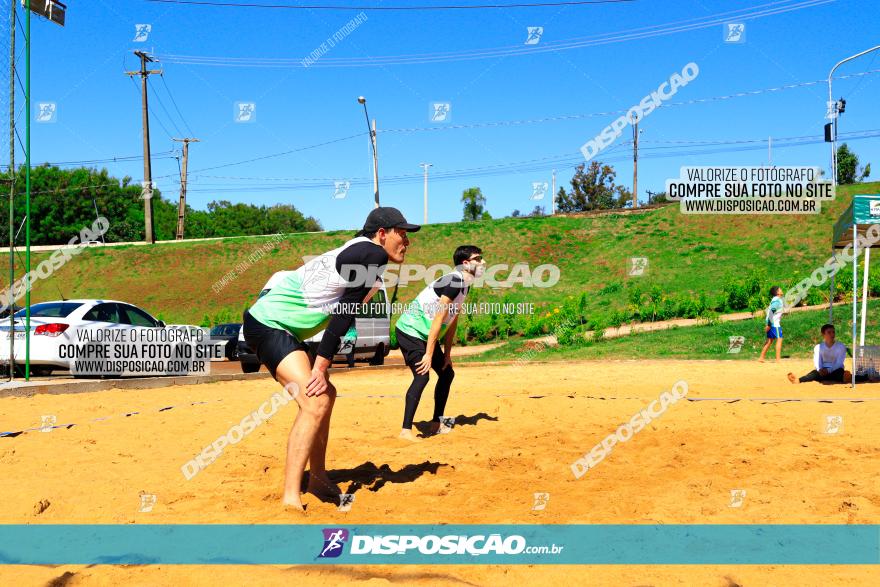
701, 260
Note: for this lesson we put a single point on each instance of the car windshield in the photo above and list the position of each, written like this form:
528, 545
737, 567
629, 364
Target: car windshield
225, 330
50, 310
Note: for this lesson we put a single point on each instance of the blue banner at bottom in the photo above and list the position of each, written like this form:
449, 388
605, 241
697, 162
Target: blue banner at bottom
440, 544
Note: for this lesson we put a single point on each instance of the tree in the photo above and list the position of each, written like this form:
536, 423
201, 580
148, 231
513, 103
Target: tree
538, 211
657, 197
593, 188
474, 202
848, 170
63, 201
515, 214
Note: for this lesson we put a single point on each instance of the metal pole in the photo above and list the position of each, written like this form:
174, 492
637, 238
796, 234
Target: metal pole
834, 146
831, 296
27, 201
375, 164
95, 203
855, 301
834, 118
425, 166
865, 297
372, 131
10, 293
553, 195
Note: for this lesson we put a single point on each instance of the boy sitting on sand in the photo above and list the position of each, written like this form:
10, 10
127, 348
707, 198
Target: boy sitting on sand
828, 358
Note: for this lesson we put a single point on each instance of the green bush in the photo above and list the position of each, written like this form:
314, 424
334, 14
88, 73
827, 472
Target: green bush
613, 287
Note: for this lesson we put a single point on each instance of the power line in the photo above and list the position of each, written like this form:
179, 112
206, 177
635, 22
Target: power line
119, 159
540, 164
537, 164
741, 14
388, 8
174, 102
567, 117
165, 110
273, 155
159, 120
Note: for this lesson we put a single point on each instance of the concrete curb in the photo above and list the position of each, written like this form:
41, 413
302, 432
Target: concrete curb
32, 389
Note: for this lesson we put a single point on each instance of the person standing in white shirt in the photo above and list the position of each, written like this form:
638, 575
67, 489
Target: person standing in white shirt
828, 358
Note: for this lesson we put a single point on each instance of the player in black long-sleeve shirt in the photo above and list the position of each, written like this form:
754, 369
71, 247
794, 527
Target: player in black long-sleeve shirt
321, 295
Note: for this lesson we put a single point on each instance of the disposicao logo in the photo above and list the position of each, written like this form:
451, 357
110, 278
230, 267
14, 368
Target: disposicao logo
334, 541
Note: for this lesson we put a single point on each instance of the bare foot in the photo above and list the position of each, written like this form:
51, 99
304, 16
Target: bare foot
408, 435
323, 488
847, 377
792, 378
293, 502
761, 360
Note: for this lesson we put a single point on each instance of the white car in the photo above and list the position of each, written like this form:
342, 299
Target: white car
54, 324
373, 333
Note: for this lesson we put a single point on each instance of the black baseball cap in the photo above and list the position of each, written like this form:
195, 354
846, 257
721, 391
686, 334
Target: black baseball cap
386, 217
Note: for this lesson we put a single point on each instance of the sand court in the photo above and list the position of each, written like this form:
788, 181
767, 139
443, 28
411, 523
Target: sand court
736, 450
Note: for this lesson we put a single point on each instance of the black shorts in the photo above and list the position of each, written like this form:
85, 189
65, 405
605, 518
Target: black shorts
412, 348
271, 345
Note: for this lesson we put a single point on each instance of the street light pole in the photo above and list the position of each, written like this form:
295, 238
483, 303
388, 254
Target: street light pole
833, 110
425, 166
372, 131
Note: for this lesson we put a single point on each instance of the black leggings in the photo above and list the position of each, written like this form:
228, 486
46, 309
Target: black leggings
413, 351
835, 376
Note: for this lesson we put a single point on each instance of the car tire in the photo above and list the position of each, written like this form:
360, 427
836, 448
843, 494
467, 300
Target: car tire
250, 367
379, 357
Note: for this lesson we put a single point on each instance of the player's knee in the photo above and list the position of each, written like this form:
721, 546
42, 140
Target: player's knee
449, 374
319, 405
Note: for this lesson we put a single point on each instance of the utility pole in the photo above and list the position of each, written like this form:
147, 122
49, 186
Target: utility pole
636, 164
425, 166
181, 208
553, 194
148, 174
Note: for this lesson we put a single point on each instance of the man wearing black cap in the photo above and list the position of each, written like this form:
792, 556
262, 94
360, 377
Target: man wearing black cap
320, 295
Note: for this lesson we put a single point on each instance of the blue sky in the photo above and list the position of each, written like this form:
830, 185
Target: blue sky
80, 68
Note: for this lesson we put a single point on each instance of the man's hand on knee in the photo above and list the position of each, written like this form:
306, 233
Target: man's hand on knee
318, 383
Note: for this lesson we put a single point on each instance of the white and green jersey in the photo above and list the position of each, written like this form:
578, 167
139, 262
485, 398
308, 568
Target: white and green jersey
302, 301
417, 319
774, 312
